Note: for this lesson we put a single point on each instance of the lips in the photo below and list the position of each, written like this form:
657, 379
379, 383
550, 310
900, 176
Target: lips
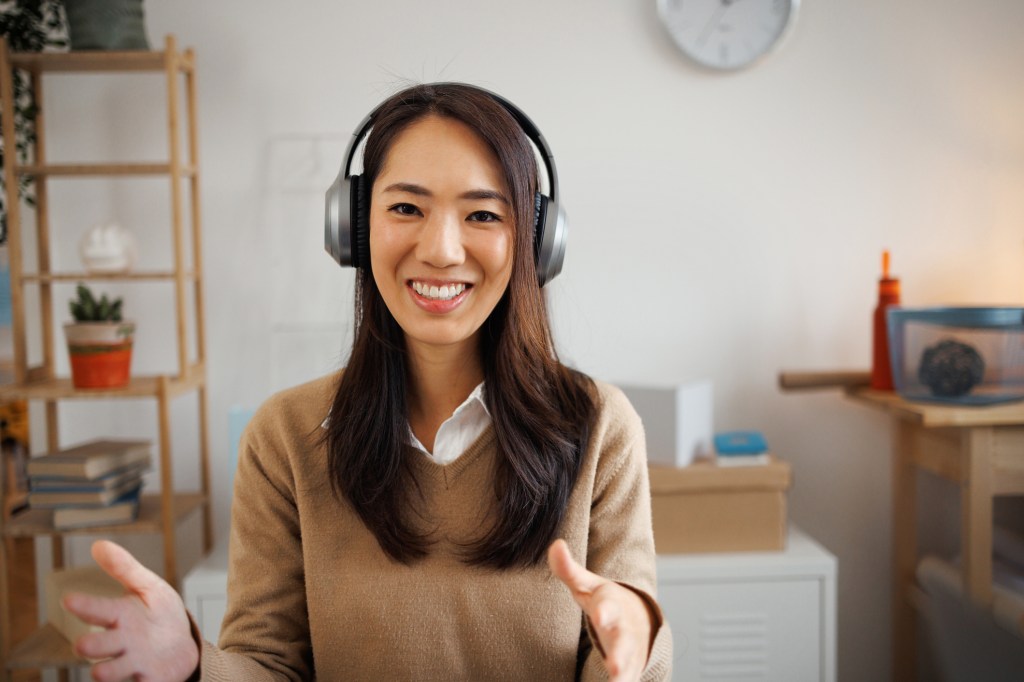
444, 292
438, 296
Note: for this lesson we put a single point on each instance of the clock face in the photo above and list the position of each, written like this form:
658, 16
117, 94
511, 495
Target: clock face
727, 34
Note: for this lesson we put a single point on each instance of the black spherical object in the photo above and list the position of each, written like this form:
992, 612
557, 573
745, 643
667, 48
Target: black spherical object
950, 368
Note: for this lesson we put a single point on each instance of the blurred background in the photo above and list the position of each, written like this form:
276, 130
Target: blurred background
724, 226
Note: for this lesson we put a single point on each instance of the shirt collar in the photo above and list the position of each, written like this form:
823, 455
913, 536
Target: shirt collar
458, 431
475, 396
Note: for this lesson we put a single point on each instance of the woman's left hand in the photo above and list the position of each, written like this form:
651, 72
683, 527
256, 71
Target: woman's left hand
618, 616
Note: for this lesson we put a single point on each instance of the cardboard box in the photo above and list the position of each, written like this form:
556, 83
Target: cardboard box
677, 421
707, 508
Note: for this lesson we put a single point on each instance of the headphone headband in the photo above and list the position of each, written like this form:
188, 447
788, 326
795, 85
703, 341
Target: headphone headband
346, 229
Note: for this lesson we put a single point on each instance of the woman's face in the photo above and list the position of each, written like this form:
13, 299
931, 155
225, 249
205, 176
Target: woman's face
441, 232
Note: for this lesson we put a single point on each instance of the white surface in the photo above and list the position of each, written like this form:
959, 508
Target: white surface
204, 591
678, 420
722, 225
752, 616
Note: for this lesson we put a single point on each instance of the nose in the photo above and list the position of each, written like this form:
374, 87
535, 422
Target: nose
440, 240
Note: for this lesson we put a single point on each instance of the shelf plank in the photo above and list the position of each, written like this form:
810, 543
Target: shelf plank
938, 414
138, 387
44, 648
106, 276
96, 61
35, 522
101, 169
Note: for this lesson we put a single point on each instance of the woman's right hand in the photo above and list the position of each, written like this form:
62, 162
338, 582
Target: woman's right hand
147, 636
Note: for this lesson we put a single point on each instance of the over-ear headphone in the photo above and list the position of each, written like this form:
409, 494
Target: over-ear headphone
347, 222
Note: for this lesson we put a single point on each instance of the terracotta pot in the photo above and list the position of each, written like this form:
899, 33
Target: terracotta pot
101, 353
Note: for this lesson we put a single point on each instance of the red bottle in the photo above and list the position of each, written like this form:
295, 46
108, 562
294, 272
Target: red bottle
888, 295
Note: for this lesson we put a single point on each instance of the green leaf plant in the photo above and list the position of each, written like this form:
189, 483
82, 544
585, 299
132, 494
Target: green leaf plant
28, 26
87, 309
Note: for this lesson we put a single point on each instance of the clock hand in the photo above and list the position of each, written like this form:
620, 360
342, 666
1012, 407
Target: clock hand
713, 21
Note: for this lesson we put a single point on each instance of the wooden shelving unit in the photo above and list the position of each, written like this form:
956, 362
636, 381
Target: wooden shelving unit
87, 276
159, 513
981, 449
37, 522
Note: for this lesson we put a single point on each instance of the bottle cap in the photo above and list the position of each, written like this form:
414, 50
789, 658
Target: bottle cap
887, 285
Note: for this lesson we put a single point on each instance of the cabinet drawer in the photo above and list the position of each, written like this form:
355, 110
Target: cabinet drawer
209, 613
746, 630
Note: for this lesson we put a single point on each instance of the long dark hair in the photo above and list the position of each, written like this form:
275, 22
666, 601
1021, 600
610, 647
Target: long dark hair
542, 411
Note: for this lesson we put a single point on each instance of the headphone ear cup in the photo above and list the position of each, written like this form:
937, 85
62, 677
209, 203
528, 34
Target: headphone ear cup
550, 233
540, 210
337, 221
360, 223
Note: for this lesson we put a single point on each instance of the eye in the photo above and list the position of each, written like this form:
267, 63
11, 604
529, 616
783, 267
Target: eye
404, 209
484, 217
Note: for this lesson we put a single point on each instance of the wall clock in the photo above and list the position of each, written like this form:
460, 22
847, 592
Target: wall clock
727, 34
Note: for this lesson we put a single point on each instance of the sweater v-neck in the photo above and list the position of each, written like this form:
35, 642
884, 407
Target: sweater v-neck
447, 474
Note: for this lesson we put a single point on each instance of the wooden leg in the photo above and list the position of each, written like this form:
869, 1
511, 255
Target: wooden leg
976, 514
23, 593
204, 471
57, 541
6, 624
167, 518
904, 551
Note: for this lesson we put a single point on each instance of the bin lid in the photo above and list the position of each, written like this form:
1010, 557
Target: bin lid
706, 476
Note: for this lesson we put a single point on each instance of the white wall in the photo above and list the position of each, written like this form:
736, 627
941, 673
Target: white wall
724, 226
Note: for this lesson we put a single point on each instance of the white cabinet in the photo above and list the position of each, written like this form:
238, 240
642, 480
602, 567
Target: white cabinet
205, 591
752, 615
747, 616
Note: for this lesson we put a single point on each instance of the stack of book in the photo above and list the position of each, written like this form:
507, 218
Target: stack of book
93, 484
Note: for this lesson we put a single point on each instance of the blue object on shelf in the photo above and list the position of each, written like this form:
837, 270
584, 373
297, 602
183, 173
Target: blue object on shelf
740, 443
238, 418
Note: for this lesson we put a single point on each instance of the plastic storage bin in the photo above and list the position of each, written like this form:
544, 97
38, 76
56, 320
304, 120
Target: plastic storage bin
965, 356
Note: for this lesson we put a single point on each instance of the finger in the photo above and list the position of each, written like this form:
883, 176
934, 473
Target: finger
96, 645
578, 579
123, 567
114, 670
101, 611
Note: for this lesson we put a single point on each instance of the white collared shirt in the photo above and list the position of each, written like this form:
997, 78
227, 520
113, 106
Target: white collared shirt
458, 432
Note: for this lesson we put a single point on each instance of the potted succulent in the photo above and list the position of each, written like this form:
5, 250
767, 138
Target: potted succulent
99, 341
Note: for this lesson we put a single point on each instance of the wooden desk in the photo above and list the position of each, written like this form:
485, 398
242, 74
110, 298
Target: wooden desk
979, 448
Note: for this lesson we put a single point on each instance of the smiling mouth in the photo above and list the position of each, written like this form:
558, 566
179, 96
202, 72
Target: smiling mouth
445, 292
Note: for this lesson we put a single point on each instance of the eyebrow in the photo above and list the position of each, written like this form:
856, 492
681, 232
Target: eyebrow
478, 194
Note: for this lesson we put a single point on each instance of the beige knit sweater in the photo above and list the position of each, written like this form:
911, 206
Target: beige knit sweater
311, 594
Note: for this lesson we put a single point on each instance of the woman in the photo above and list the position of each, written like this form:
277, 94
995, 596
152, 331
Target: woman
392, 521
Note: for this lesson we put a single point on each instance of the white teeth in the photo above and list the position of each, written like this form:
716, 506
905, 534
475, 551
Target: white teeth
443, 293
